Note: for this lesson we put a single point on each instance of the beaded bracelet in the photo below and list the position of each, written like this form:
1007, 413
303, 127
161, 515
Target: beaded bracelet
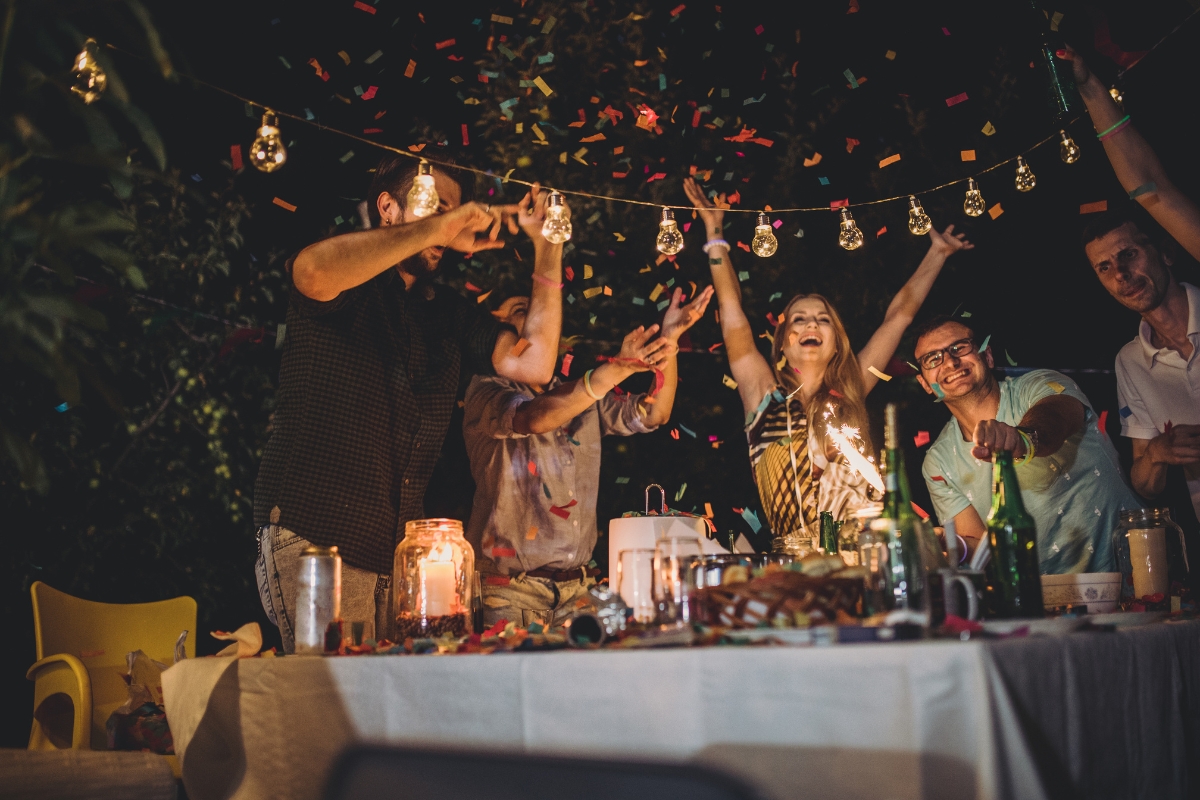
715, 243
547, 282
587, 385
1115, 129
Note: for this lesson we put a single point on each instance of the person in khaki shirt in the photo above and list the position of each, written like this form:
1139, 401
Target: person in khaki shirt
535, 457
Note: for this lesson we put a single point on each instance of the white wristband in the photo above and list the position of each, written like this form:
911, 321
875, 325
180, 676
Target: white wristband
715, 243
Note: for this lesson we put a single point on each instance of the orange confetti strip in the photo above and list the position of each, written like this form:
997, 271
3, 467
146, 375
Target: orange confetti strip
599, 137
995, 211
411, 68
445, 44
520, 347
967, 155
1092, 208
889, 160
812, 162
285, 205
484, 296
532, 468
851, 144
531, 534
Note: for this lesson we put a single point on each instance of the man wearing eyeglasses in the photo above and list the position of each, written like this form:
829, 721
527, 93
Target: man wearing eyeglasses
1071, 481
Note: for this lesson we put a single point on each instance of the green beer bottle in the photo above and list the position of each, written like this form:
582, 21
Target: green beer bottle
908, 571
1062, 95
1014, 581
829, 542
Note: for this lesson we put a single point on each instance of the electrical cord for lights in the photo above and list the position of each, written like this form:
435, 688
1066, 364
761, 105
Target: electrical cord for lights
589, 195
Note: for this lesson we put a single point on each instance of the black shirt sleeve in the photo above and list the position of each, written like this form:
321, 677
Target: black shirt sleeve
305, 306
477, 332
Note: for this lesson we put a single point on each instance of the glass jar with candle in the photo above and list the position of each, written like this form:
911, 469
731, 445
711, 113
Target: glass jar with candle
432, 580
1152, 557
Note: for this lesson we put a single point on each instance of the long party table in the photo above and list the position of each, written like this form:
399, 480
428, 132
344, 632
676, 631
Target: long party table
1090, 714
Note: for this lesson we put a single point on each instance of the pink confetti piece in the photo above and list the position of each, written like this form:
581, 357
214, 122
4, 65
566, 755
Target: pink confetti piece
235, 156
566, 365
921, 439
958, 98
361, 6
466, 138
370, 92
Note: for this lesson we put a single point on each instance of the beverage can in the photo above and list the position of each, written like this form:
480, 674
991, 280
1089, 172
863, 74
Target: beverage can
318, 597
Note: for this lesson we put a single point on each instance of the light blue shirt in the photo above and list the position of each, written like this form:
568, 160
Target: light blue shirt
1074, 496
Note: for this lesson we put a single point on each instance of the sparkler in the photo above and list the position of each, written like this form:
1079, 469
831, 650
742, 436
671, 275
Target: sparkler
843, 438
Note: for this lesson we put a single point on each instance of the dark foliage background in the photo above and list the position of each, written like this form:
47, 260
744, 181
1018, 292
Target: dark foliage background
145, 480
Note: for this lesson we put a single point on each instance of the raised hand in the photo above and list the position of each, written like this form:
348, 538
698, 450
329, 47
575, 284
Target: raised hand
946, 243
474, 226
1180, 445
533, 212
679, 318
992, 435
641, 351
713, 217
1079, 69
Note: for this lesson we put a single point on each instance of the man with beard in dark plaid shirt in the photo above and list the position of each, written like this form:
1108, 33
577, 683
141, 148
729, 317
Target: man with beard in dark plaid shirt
372, 361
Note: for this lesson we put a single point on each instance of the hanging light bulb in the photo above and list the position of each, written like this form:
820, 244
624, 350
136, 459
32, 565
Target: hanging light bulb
1067, 149
89, 79
423, 197
851, 237
670, 240
919, 222
557, 227
267, 153
974, 204
764, 243
1026, 180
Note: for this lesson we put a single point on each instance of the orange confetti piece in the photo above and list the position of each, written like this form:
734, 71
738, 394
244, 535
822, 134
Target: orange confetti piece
995, 211
532, 468
531, 534
520, 347
445, 44
812, 162
411, 68
967, 155
285, 205
641, 62
889, 160
708, 511
484, 296
851, 144
1092, 208
594, 138
608, 291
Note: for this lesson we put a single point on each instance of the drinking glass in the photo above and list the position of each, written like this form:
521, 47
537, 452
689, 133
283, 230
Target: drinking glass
634, 582
675, 560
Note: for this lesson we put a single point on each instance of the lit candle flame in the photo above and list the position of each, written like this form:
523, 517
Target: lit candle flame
842, 440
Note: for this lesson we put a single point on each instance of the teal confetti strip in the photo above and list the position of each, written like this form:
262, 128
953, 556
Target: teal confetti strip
724, 93
986, 339
308, 114
349, 155
549, 24
743, 276
850, 77
61, 407
758, 99
573, 441
671, 282
679, 494
663, 304
687, 430
966, 315
358, 90
824, 181
622, 481
937, 391
1145, 188
714, 261
571, 299
509, 54
285, 62
800, 233
751, 519
371, 59
774, 297
545, 59
639, 301
546, 490
592, 219
662, 82
487, 73
1011, 363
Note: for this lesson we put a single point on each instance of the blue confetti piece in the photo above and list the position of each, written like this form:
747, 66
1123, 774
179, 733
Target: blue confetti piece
937, 390
743, 276
663, 304
1145, 188
751, 519
61, 407
662, 82
774, 297
545, 59
308, 114
1126, 411
546, 490
572, 440
850, 77
687, 430
983, 346
639, 301
824, 181
758, 99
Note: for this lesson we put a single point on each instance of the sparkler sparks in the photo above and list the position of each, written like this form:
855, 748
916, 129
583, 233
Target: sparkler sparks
843, 438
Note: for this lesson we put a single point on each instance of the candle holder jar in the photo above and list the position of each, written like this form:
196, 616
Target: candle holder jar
432, 580
1152, 557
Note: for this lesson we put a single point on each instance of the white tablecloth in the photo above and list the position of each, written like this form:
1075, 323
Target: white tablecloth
919, 720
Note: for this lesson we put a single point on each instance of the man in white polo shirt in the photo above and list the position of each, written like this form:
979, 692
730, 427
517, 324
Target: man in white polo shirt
1158, 373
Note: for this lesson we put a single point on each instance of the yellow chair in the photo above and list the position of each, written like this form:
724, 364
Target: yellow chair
81, 647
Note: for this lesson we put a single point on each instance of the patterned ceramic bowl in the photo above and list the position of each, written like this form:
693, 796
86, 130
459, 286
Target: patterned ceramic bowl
1099, 591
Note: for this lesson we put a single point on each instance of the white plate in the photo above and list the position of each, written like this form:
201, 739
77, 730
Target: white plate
1050, 626
1126, 619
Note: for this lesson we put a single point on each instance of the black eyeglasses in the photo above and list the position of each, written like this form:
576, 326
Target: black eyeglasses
933, 360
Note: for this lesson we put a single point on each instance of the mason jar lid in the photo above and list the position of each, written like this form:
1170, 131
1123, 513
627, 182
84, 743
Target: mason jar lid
1144, 514
317, 550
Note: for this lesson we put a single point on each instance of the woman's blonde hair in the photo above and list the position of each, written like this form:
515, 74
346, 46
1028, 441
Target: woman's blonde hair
842, 388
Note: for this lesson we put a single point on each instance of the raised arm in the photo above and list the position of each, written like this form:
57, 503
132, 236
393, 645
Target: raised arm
534, 363
327, 268
640, 351
750, 369
1135, 162
677, 320
907, 302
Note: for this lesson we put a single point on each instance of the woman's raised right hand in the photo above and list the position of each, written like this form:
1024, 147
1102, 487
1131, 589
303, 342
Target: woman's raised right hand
714, 218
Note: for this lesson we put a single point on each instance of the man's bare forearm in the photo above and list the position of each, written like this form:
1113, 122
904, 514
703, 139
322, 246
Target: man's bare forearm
1055, 419
327, 268
543, 321
552, 410
660, 410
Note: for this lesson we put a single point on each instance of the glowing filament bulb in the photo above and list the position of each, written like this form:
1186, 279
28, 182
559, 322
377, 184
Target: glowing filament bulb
851, 237
1067, 149
1026, 180
973, 204
919, 222
267, 153
670, 240
764, 243
88, 79
423, 197
557, 227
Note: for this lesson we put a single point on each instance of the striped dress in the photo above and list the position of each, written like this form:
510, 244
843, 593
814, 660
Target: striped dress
794, 484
